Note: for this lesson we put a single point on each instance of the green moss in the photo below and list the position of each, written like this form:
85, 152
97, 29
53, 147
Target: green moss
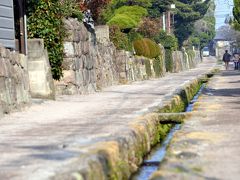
180, 101
168, 60
148, 67
158, 66
197, 169
161, 132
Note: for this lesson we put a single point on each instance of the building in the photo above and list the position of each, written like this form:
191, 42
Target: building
13, 33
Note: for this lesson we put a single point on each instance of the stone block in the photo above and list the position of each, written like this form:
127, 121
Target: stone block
68, 50
12, 82
67, 24
83, 33
35, 44
14, 58
76, 36
86, 77
3, 68
89, 63
70, 36
69, 77
84, 61
85, 47
78, 64
68, 63
102, 33
122, 75
9, 69
35, 48
79, 77
35, 65
3, 52
23, 61
71, 89
92, 76
77, 49
40, 77
75, 23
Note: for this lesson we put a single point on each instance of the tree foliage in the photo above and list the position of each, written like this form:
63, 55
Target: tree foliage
119, 39
236, 14
236, 10
127, 17
188, 12
204, 29
149, 27
158, 7
166, 40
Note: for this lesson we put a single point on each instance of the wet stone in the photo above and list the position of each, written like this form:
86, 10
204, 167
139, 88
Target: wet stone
187, 155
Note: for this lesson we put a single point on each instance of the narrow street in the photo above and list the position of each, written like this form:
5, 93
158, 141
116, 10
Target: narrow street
208, 145
49, 136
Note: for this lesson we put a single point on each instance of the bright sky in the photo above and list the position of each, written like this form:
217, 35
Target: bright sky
223, 8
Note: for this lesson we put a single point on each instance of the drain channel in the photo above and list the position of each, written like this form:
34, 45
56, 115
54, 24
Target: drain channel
156, 156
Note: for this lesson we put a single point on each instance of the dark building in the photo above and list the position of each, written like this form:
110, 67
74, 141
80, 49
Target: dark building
13, 25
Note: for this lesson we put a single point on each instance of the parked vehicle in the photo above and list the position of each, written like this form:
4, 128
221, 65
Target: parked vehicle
205, 52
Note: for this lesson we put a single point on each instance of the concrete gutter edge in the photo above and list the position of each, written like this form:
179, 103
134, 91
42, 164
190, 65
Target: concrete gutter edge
120, 156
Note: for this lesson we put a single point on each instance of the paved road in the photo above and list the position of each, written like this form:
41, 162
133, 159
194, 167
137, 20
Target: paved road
208, 145
47, 136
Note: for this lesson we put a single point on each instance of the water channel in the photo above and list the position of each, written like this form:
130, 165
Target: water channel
155, 157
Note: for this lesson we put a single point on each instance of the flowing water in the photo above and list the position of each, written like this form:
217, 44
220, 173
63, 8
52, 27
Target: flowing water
153, 160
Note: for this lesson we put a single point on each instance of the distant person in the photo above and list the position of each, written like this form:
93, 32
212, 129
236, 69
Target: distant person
226, 59
236, 60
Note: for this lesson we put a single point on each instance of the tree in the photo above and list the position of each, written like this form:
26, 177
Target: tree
127, 17
187, 13
204, 29
152, 29
158, 7
236, 14
236, 10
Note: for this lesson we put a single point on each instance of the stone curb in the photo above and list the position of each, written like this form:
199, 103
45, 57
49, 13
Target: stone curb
120, 156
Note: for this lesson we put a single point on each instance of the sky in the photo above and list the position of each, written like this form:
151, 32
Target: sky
223, 7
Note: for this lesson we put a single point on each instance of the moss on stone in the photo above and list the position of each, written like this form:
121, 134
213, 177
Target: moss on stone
148, 67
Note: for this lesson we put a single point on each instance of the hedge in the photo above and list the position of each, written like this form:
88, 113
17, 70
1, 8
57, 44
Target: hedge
146, 47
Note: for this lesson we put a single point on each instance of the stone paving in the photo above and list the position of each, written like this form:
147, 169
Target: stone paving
208, 144
49, 135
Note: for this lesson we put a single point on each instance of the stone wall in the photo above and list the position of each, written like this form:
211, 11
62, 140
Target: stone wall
89, 67
79, 65
183, 60
40, 76
14, 83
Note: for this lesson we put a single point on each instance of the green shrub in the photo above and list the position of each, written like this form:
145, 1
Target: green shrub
45, 22
123, 21
168, 60
133, 35
168, 41
119, 39
146, 47
127, 17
